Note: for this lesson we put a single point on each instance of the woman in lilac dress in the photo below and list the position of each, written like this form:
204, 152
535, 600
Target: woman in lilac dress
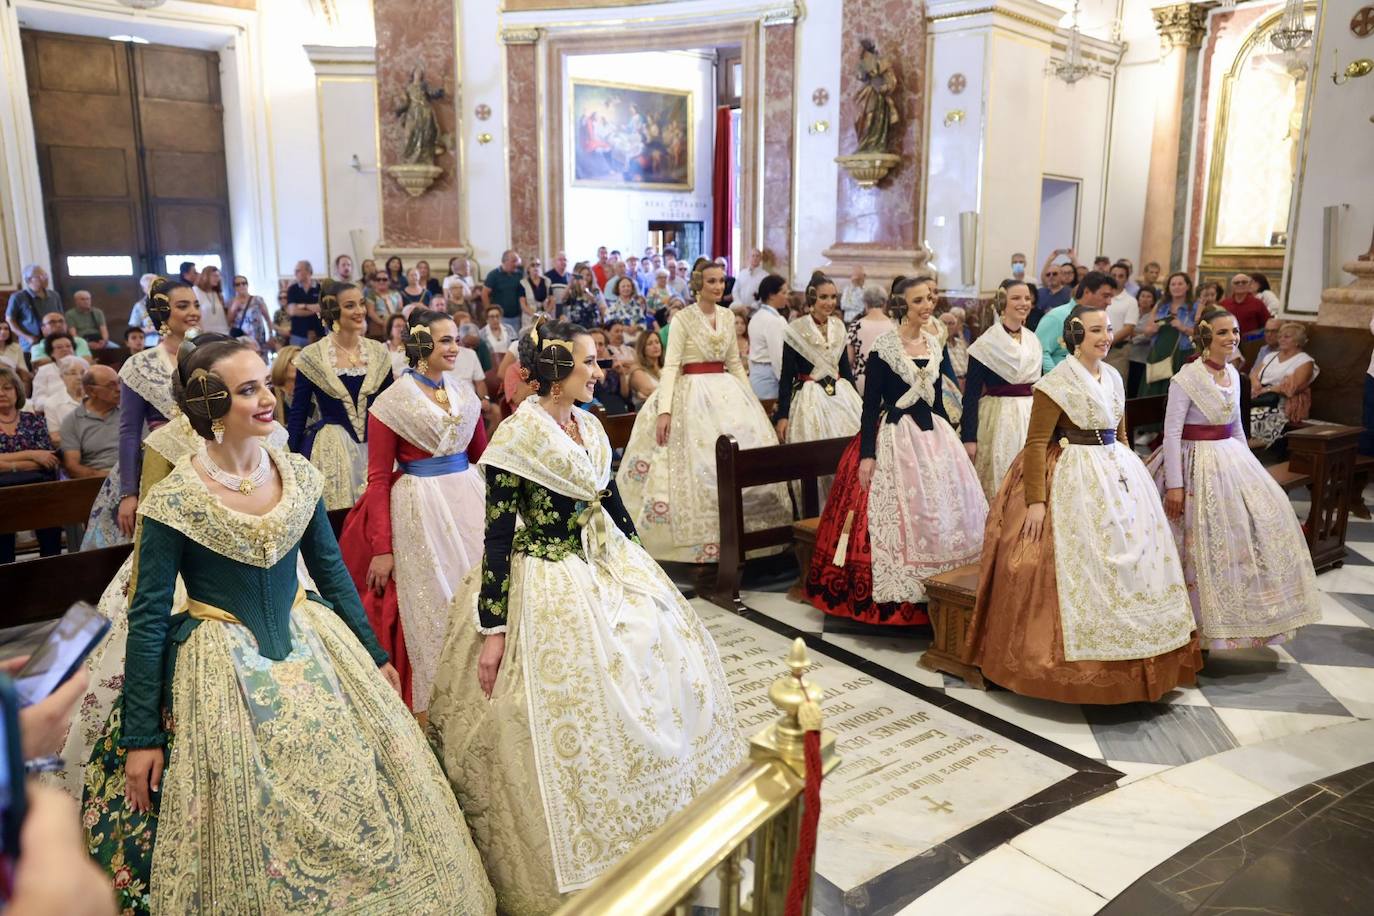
1245, 563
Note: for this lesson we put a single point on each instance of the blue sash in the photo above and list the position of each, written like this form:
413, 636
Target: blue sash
436, 466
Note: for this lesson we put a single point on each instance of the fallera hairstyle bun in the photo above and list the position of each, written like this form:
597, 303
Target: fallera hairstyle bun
330, 291
160, 300
699, 268
419, 340
200, 392
1202, 333
818, 279
1074, 328
545, 350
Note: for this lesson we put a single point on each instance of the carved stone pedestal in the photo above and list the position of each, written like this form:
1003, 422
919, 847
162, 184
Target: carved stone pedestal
1350, 306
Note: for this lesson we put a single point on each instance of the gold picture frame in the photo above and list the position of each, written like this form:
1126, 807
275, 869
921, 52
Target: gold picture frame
631, 138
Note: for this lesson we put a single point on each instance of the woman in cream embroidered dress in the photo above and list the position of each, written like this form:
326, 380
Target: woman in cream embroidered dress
145, 403
668, 473
906, 502
418, 530
1003, 364
1246, 564
580, 700
816, 396
336, 380
296, 779
1081, 596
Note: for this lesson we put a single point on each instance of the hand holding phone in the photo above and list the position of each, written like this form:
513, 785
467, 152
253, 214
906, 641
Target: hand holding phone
61, 654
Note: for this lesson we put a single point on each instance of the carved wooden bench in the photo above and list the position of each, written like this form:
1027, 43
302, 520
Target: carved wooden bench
950, 606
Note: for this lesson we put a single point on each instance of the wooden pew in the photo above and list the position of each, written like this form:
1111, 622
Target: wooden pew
737, 469
618, 428
951, 597
1326, 455
43, 589
31, 506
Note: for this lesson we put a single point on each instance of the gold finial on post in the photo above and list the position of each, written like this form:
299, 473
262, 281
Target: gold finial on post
783, 739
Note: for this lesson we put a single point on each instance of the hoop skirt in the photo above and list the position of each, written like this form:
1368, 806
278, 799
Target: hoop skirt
610, 709
296, 779
1246, 564
671, 492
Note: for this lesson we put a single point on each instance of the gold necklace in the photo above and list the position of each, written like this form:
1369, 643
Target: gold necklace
355, 357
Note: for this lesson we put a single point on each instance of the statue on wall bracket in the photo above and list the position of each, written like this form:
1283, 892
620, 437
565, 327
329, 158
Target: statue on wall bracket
423, 142
878, 115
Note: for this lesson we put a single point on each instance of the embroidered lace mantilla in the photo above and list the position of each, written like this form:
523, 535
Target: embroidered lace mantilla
920, 380
316, 362
822, 351
149, 373
182, 502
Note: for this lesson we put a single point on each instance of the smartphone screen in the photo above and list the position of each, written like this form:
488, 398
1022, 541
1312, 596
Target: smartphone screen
67, 645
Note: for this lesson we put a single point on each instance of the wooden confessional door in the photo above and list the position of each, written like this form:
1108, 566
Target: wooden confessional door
131, 153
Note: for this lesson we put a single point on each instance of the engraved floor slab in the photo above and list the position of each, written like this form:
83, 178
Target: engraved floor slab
913, 775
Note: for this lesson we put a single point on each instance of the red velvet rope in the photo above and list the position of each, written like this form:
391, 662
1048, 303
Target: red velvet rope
811, 815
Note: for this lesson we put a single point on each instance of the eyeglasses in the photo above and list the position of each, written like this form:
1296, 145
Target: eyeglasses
240, 282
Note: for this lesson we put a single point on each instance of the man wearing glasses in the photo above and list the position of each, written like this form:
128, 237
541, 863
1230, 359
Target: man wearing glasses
380, 301
90, 433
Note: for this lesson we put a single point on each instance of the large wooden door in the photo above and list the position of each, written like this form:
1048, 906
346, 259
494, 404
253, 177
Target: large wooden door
131, 153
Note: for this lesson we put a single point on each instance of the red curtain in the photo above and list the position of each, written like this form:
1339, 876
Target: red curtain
722, 187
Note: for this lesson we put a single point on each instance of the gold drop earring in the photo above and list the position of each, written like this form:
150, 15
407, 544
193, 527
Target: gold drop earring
424, 365
217, 430
557, 392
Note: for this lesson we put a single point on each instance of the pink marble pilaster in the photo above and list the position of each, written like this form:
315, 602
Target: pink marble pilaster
778, 126
522, 147
420, 34
883, 216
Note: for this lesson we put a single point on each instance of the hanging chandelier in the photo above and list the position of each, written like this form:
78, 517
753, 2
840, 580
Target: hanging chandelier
1292, 31
142, 4
1072, 69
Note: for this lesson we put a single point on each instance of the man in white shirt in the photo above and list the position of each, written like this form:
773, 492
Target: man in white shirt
766, 329
747, 280
852, 301
1124, 313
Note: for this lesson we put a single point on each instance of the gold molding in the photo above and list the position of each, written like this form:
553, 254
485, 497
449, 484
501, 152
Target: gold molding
1210, 251
542, 6
1181, 25
1007, 14
520, 36
783, 15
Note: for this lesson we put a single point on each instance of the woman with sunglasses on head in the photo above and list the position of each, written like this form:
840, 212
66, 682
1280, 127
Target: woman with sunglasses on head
1081, 596
416, 531
145, 403
579, 695
336, 380
1245, 560
906, 503
249, 316
295, 777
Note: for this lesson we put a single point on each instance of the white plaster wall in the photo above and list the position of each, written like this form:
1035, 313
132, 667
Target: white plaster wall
1339, 169
1075, 146
348, 112
954, 153
486, 182
620, 219
1017, 93
819, 36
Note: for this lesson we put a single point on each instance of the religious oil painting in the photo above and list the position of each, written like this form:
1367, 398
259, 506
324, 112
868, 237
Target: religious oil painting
631, 137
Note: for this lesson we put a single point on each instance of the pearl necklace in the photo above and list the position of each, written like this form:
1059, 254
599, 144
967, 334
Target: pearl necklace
244, 485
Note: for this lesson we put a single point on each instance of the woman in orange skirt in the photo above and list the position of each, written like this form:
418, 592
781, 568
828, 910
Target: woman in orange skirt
1081, 597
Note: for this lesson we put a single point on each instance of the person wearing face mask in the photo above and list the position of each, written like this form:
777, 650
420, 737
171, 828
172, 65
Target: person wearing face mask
569, 599
1003, 364
906, 503
289, 723
668, 473
1018, 272
337, 379
1245, 560
417, 529
816, 396
1081, 597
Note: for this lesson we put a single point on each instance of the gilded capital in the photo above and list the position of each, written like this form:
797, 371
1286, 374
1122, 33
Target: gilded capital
1181, 25
518, 36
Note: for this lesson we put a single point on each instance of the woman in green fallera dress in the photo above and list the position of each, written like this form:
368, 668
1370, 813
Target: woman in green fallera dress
262, 726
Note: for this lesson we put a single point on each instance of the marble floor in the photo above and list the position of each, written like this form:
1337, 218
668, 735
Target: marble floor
1157, 807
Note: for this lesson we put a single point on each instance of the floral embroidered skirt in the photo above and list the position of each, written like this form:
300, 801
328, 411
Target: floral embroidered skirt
295, 785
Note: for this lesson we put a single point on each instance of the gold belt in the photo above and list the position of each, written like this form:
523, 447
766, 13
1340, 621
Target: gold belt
202, 611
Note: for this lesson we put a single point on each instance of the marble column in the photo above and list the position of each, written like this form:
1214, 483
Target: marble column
522, 139
1181, 27
779, 108
877, 226
419, 35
